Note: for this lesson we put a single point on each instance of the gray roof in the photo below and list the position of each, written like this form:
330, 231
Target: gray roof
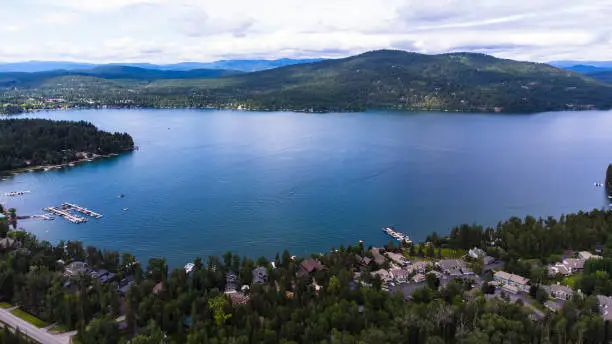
260, 274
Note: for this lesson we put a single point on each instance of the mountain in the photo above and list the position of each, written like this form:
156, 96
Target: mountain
20, 79
239, 65
384, 79
566, 64
604, 76
600, 72
402, 80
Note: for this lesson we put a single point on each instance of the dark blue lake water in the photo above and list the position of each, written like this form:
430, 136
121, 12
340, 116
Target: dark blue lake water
204, 182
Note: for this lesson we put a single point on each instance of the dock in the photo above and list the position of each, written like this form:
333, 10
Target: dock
401, 237
16, 193
66, 215
69, 206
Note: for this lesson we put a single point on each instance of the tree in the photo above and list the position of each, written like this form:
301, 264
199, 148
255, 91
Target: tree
431, 281
217, 304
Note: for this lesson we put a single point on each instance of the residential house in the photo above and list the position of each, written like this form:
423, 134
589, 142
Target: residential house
584, 255
158, 288
558, 268
378, 257
559, 291
400, 275
384, 275
452, 267
418, 278
260, 275
552, 306
309, 266
397, 258
605, 306
363, 261
574, 265
511, 281
419, 267
9, 244
76, 268
476, 253
230, 282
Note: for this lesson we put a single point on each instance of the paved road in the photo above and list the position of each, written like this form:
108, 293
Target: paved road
38, 334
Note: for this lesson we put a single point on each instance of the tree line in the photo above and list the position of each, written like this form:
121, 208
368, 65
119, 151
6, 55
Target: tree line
33, 142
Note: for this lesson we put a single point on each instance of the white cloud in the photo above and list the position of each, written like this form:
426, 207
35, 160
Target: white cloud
200, 30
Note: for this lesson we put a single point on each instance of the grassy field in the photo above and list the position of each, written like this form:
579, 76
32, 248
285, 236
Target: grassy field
5, 305
29, 318
58, 329
446, 253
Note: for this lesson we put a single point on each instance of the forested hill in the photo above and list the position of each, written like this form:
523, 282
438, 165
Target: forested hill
31, 142
397, 79
376, 80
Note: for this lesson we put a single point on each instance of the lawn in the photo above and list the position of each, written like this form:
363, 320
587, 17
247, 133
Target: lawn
29, 318
58, 329
571, 280
5, 305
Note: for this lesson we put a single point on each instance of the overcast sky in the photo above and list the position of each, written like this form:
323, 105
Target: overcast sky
167, 31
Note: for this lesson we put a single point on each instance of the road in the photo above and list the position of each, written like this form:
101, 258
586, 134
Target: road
39, 334
514, 298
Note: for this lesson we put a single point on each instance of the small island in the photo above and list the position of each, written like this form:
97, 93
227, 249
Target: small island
30, 144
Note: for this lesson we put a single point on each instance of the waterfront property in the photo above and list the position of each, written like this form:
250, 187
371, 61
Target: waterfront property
260, 275
453, 267
511, 282
309, 266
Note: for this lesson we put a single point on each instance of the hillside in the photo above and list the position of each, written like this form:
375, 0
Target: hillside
375, 80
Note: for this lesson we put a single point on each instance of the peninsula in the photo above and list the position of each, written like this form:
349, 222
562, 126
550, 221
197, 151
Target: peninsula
31, 143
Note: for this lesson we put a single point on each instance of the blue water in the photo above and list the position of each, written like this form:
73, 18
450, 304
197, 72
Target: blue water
204, 182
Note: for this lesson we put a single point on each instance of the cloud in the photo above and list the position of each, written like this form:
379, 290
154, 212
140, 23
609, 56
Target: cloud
161, 31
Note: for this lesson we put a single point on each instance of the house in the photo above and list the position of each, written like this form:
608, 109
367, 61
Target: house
363, 261
309, 266
584, 255
476, 253
230, 282
400, 275
508, 280
510, 288
453, 267
418, 278
558, 268
260, 275
605, 306
559, 291
574, 265
76, 268
384, 275
419, 267
552, 306
9, 244
397, 258
378, 257
487, 260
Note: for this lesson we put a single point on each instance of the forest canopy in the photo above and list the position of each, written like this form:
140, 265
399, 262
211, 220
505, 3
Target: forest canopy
32, 142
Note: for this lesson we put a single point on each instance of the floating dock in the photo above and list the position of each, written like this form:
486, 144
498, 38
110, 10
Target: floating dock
401, 237
66, 215
16, 193
84, 211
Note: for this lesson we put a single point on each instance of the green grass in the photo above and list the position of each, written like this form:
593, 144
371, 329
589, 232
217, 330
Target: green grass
29, 318
571, 280
5, 305
451, 253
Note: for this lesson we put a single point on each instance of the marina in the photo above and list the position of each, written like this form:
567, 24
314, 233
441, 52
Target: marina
401, 237
78, 208
66, 215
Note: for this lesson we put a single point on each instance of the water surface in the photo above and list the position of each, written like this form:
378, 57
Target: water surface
204, 182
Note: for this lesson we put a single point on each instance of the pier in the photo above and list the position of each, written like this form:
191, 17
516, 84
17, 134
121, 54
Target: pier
401, 237
16, 193
66, 215
84, 211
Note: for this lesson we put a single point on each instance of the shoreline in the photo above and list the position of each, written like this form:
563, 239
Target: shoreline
45, 168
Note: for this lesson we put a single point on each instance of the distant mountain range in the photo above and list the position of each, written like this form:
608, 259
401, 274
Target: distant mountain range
239, 65
600, 70
384, 79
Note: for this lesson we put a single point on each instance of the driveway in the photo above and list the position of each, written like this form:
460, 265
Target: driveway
514, 298
38, 334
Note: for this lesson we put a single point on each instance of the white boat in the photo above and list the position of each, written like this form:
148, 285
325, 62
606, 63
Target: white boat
126, 209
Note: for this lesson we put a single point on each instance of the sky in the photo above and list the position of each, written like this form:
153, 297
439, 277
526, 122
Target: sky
169, 31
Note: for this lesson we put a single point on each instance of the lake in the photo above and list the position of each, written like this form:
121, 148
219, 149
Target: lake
204, 182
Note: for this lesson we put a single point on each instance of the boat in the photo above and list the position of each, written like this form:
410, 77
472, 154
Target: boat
125, 209
121, 196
